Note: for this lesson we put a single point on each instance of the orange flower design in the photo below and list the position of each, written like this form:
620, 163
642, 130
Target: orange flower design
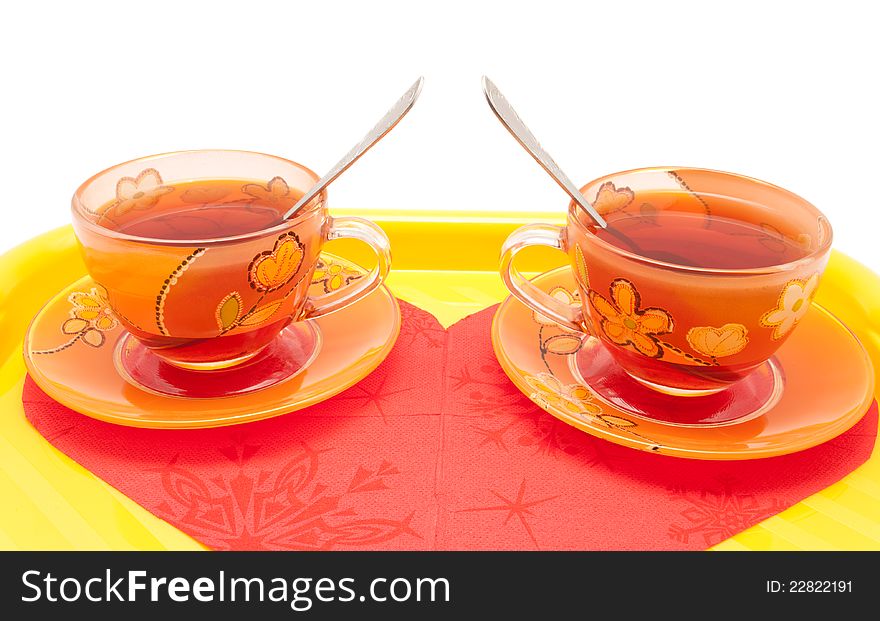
276, 193
572, 399
333, 275
90, 316
625, 324
610, 199
793, 304
563, 295
581, 267
729, 339
272, 269
141, 192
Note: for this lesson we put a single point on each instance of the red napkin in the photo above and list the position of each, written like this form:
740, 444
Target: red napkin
435, 450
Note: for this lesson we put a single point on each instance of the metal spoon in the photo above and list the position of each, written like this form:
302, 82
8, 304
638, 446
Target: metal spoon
385, 125
514, 124
510, 119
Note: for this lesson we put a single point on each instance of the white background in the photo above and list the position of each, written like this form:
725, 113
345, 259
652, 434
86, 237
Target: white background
784, 91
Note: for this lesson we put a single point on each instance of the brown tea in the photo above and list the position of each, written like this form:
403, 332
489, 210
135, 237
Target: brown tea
191, 255
724, 233
199, 211
694, 331
204, 209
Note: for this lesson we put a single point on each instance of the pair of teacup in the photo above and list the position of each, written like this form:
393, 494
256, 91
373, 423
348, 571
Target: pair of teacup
214, 302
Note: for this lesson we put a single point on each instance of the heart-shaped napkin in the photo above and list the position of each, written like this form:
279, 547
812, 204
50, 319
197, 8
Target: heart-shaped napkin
436, 449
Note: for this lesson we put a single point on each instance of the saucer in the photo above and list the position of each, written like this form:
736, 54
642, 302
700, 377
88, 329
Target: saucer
818, 385
97, 370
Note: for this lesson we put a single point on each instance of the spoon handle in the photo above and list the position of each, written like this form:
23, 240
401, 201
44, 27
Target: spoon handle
510, 119
385, 125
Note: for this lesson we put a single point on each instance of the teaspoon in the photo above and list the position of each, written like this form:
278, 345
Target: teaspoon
514, 124
385, 125
510, 119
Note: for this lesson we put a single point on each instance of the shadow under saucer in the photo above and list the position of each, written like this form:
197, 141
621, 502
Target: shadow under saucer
282, 359
744, 400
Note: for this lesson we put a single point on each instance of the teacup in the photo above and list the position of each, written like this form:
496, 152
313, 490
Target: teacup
699, 278
193, 256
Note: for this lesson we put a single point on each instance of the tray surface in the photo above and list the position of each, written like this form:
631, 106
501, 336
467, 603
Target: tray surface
443, 264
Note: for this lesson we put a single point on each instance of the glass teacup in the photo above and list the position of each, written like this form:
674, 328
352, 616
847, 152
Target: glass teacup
698, 280
195, 295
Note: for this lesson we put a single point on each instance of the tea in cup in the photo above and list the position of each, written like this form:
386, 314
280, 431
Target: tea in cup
698, 279
193, 255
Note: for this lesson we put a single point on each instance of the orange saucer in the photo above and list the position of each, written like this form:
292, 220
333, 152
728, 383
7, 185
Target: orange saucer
820, 382
82, 370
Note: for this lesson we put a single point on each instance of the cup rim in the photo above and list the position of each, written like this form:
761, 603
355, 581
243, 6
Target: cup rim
77, 207
769, 269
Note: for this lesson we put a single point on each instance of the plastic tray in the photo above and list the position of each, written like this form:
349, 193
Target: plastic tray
444, 263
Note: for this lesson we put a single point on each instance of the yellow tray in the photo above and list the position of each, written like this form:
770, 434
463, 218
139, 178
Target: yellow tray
443, 263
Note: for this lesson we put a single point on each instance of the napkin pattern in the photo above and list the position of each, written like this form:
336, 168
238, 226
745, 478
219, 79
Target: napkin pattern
436, 449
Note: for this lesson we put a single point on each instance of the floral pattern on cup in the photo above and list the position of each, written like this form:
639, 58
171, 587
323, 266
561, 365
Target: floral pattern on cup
611, 199
171, 280
141, 192
581, 266
330, 275
276, 193
729, 339
273, 269
793, 304
230, 312
90, 318
268, 272
624, 322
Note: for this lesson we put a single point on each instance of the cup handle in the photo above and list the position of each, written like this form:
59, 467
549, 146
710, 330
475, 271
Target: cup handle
522, 289
375, 238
